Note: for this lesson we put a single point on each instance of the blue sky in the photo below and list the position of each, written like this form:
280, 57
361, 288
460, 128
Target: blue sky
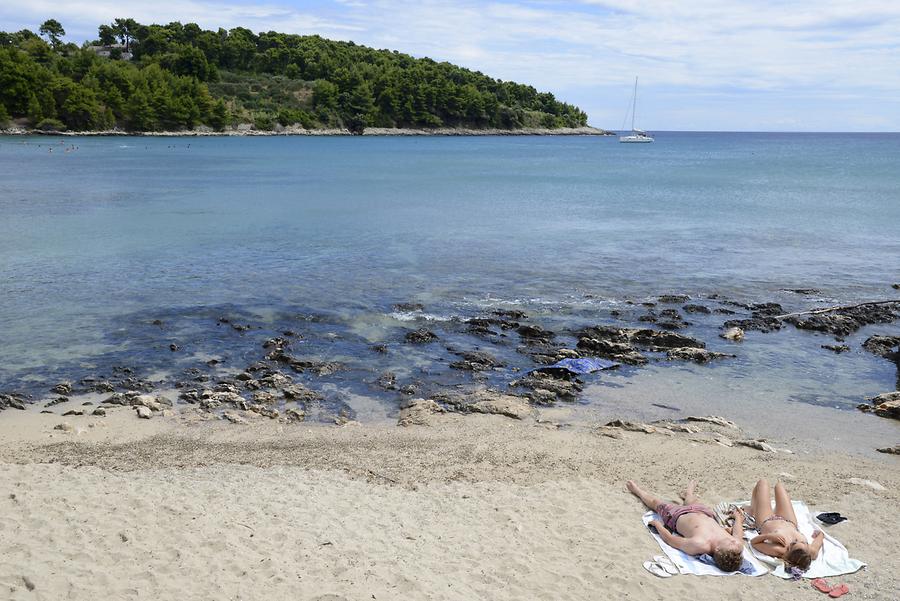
777, 65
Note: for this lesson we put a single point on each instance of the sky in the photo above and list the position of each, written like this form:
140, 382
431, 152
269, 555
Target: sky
714, 65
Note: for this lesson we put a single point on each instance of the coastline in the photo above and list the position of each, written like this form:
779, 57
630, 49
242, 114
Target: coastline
299, 131
460, 507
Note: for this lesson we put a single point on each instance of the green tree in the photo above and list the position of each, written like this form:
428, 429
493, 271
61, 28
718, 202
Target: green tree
35, 113
53, 31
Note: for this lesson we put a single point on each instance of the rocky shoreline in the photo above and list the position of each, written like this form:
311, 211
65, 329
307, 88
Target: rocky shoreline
246, 130
503, 362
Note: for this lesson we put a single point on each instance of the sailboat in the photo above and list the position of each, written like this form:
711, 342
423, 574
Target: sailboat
638, 136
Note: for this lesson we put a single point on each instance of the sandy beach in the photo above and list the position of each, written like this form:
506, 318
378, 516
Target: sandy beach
463, 507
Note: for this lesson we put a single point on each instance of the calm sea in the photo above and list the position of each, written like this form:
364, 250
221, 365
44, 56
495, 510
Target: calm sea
328, 233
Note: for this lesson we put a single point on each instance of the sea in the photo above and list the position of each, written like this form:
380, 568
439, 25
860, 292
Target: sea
114, 249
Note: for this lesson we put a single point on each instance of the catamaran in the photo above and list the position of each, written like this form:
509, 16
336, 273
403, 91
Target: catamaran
637, 135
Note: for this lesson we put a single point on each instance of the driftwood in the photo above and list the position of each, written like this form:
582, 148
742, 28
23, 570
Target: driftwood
840, 308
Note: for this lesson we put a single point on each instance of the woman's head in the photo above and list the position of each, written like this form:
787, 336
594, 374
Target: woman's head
798, 555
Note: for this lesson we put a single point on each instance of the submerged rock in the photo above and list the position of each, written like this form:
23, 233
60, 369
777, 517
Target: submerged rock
420, 336
894, 450
408, 307
674, 298
696, 309
657, 340
476, 361
836, 348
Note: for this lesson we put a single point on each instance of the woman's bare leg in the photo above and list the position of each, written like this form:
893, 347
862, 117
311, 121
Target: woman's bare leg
761, 502
783, 506
689, 496
646, 498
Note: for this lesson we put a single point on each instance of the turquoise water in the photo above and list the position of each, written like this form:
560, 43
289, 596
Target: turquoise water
331, 232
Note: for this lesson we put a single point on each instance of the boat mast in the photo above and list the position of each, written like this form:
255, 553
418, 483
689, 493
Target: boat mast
634, 103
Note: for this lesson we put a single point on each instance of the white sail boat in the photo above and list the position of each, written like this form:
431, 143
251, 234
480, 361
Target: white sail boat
638, 136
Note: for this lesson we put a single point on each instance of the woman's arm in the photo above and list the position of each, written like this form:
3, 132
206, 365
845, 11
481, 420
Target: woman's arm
816, 546
770, 549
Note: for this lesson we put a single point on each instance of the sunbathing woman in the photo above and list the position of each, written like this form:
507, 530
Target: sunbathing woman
696, 523
778, 533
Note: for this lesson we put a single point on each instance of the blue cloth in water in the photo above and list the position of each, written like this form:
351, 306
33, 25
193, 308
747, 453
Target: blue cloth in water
585, 365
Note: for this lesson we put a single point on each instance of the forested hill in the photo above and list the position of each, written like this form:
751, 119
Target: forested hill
173, 77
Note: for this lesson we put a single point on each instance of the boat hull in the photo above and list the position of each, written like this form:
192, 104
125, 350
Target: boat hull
635, 139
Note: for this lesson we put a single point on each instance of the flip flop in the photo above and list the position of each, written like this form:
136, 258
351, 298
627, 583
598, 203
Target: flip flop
820, 585
656, 569
839, 591
666, 564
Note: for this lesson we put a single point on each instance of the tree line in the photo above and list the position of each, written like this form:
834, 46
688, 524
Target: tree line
172, 77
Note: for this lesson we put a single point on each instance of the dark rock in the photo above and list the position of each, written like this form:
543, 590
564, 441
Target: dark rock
480, 326
277, 343
844, 322
766, 309
696, 309
617, 351
57, 401
803, 291
300, 393
409, 389
657, 340
670, 314
647, 304
759, 324
408, 307
73, 412
512, 314
648, 318
532, 333
156, 322
697, 355
674, 298
886, 405
380, 348
63, 388
99, 411
546, 388
420, 336
672, 325
387, 381
894, 450
836, 348
884, 346
476, 361
13, 401
723, 311
102, 387
608, 333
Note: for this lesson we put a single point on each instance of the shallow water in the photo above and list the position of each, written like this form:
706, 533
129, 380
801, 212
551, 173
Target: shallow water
324, 235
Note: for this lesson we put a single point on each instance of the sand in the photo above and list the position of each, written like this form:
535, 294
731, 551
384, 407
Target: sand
468, 507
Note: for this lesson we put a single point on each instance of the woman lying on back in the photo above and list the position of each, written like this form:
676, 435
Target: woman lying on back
779, 536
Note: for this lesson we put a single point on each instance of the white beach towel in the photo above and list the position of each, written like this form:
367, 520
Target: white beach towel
833, 559
703, 565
